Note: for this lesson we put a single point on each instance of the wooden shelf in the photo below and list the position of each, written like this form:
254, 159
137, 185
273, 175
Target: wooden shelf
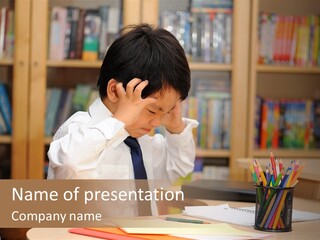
74, 64
6, 62
212, 153
288, 153
7, 139
209, 66
287, 69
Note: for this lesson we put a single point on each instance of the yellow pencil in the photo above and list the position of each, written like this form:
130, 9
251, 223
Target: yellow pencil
283, 197
263, 178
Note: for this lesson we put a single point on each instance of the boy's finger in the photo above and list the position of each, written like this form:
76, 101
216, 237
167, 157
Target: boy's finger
131, 85
140, 87
120, 90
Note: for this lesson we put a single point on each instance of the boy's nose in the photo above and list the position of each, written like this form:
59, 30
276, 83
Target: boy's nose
155, 122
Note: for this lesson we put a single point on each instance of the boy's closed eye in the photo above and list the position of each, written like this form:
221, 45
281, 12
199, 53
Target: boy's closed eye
151, 111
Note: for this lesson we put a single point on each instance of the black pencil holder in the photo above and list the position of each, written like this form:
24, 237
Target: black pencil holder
273, 211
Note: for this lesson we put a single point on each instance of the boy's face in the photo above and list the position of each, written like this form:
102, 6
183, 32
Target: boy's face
151, 116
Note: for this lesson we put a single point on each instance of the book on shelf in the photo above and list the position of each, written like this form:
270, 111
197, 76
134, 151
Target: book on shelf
5, 108
3, 127
77, 33
80, 33
310, 122
94, 94
114, 24
204, 32
52, 110
257, 122
287, 123
3, 19
80, 98
64, 109
178, 23
9, 35
103, 38
71, 33
210, 104
6, 32
91, 35
288, 39
316, 130
58, 25
226, 125
62, 103
203, 119
213, 114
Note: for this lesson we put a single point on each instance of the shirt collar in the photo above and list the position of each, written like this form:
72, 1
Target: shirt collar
98, 110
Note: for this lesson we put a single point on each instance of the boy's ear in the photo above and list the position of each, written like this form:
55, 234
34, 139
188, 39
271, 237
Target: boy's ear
112, 94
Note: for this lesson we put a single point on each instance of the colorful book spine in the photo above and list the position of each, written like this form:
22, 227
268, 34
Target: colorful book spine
3, 127
80, 98
57, 33
226, 119
73, 21
288, 39
91, 35
80, 34
103, 41
52, 110
3, 18
316, 130
264, 125
9, 35
5, 108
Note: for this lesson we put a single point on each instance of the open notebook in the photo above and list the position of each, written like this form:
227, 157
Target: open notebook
240, 216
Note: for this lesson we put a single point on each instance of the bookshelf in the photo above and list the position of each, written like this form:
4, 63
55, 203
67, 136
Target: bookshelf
14, 73
47, 73
291, 81
30, 69
237, 69
33, 71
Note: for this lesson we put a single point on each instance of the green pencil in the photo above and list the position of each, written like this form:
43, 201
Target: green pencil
185, 220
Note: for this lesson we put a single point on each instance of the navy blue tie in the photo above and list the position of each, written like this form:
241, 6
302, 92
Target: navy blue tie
136, 155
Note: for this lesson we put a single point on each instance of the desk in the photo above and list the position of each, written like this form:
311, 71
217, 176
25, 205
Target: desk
301, 230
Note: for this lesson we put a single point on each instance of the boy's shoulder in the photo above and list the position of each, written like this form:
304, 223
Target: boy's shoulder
73, 122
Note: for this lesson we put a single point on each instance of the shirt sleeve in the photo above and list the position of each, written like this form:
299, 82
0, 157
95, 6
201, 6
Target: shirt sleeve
77, 145
179, 153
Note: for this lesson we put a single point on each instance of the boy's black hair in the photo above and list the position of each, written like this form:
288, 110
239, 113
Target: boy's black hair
147, 53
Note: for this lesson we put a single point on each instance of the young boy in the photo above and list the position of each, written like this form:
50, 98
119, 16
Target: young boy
143, 78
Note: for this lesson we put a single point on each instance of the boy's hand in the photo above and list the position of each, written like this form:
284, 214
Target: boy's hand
172, 121
130, 103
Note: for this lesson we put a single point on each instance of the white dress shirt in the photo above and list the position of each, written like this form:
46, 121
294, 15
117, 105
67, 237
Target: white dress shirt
89, 145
